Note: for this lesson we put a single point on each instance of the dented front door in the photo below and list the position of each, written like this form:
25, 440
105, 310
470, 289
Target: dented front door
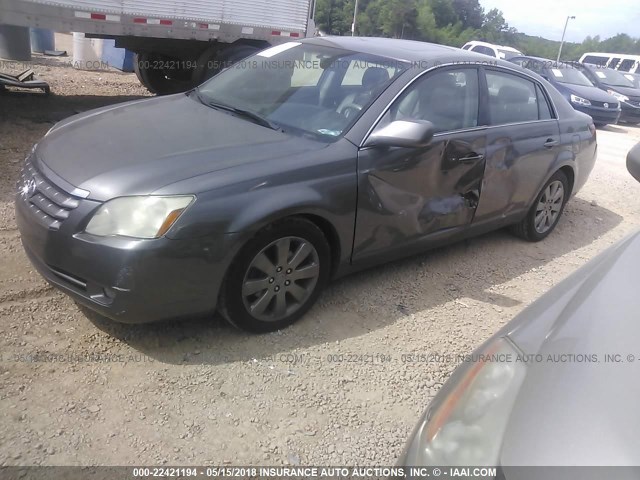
408, 196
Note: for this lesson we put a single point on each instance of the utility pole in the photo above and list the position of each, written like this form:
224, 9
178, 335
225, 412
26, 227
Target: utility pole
571, 17
355, 14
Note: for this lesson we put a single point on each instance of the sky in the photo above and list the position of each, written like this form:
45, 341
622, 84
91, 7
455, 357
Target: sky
546, 18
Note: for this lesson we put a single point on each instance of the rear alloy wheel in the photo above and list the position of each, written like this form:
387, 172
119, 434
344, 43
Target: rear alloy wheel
276, 277
546, 210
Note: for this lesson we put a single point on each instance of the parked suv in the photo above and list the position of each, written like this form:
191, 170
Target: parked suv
617, 61
497, 51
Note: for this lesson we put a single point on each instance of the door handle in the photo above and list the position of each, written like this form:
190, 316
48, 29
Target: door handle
550, 143
472, 157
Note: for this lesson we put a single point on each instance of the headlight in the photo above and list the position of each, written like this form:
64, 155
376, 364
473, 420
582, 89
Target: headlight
467, 426
619, 96
580, 100
140, 217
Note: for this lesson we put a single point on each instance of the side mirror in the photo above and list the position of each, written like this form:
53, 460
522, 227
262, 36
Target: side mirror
402, 133
633, 162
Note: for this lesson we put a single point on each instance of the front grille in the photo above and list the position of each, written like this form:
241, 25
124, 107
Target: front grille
48, 203
610, 105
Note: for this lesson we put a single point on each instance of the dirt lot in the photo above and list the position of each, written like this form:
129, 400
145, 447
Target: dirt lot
331, 390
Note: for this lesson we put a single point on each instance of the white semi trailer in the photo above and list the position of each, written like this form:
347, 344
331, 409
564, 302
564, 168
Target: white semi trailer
178, 44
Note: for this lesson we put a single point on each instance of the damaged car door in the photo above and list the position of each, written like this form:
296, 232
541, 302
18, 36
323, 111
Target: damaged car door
411, 197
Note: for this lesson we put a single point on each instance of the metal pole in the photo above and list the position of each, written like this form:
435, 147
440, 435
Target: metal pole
563, 33
355, 14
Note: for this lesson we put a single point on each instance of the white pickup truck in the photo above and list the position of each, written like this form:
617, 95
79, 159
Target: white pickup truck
178, 44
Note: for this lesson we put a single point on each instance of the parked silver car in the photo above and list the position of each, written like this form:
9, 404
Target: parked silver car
555, 386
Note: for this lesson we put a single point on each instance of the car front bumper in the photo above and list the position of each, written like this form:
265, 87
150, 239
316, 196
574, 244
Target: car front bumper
126, 279
602, 115
630, 113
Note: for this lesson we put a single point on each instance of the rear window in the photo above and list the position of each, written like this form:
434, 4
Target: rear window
484, 50
507, 54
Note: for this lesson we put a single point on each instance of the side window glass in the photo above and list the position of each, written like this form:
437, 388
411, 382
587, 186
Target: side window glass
594, 60
626, 65
448, 99
544, 109
512, 99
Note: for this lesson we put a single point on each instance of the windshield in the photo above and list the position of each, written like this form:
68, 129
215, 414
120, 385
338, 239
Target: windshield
613, 78
507, 54
570, 75
302, 88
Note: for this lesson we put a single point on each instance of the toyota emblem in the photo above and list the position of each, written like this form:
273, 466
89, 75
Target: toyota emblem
29, 188
606, 105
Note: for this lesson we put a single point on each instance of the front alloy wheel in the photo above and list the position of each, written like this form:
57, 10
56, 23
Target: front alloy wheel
281, 278
276, 277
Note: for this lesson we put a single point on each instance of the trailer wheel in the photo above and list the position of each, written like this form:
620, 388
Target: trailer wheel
158, 80
213, 60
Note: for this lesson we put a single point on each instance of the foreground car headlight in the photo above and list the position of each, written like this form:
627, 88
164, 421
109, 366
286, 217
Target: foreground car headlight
619, 96
579, 100
140, 217
466, 427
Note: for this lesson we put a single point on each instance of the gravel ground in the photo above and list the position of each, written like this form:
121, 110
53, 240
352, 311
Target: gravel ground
331, 390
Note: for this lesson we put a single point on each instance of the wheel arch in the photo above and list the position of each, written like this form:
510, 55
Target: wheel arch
566, 166
314, 215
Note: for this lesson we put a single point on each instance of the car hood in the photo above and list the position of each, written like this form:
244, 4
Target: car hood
138, 147
628, 91
587, 92
576, 406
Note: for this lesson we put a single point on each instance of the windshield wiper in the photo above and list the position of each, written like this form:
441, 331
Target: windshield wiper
256, 118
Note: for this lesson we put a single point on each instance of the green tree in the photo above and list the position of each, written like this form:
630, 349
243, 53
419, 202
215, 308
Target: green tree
443, 13
426, 22
452, 22
494, 26
330, 17
469, 12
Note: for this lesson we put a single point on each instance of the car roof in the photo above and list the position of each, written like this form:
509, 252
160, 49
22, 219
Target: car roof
530, 57
508, 48
404, 50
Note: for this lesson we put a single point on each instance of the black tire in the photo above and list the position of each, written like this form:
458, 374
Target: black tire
526, 229
214, 60
233, 304
157, 80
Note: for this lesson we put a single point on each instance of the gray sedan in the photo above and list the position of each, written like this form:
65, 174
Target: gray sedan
305, 162
554, 387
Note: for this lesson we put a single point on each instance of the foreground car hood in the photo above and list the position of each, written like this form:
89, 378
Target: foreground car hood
581, 410
138, 147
